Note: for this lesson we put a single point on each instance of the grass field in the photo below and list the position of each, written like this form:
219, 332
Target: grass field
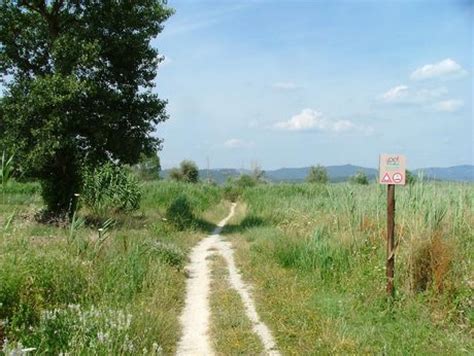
315, 255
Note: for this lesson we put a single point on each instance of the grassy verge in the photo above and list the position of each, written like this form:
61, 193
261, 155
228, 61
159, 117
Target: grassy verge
231, 330
76, 291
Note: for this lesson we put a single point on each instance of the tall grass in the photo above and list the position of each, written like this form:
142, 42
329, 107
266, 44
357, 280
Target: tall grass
331, 239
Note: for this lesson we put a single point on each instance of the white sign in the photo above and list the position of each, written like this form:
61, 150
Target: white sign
392, 169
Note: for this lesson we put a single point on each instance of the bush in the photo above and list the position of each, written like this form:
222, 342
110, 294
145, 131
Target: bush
360, 178
169, 254
232, 192
431, 265
180, 213
187, 172
246, 181
110, 188
190, 171
317, 174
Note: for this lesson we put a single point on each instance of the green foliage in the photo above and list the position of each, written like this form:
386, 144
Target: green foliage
110, 188
232, 192
162, 193
317, 174
235, 187
187, 172
359, 178
175, 174
180, 212
44, 279
78, 92
168, 253
316, 253
75, 330
245, 181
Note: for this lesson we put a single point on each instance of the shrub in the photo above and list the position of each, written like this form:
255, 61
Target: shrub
246, 181
187, 172
317, 174
232, 192
180, 213
431, 264
168, 253
110, 188
190, 171
175, 174
360, 178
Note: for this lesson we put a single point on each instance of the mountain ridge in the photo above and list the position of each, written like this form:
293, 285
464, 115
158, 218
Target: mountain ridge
337, 173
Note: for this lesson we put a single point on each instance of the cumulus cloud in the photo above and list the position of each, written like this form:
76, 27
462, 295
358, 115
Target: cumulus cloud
445, 68
238, 143
451, 105
405, 95
285, 86
309, 119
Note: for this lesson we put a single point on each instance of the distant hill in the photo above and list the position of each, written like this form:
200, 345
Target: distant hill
336, 173
464, 173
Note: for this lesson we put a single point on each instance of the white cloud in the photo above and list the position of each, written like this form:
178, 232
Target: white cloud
404, 95
395, 94
310, 119
451, 105
286, 86
238, 143
445, 68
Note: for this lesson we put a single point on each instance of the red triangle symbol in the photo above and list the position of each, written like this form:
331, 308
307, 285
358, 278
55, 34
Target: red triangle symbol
386, 178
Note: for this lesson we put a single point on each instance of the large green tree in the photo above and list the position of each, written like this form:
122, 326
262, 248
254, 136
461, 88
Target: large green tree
79, 85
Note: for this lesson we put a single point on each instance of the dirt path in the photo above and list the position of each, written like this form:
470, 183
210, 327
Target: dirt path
196, 313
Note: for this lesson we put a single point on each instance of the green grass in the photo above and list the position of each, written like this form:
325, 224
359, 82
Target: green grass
316, 256
64, 290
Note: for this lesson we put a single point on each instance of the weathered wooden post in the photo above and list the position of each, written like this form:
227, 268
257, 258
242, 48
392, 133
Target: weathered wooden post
391, 173
390, 268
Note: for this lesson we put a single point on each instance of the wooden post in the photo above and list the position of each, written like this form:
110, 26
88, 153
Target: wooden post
390, 269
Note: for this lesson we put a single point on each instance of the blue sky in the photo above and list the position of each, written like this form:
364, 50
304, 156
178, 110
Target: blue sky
297, 83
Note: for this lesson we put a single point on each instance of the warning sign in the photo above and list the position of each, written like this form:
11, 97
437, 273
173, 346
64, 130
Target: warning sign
392, 169
386, 178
